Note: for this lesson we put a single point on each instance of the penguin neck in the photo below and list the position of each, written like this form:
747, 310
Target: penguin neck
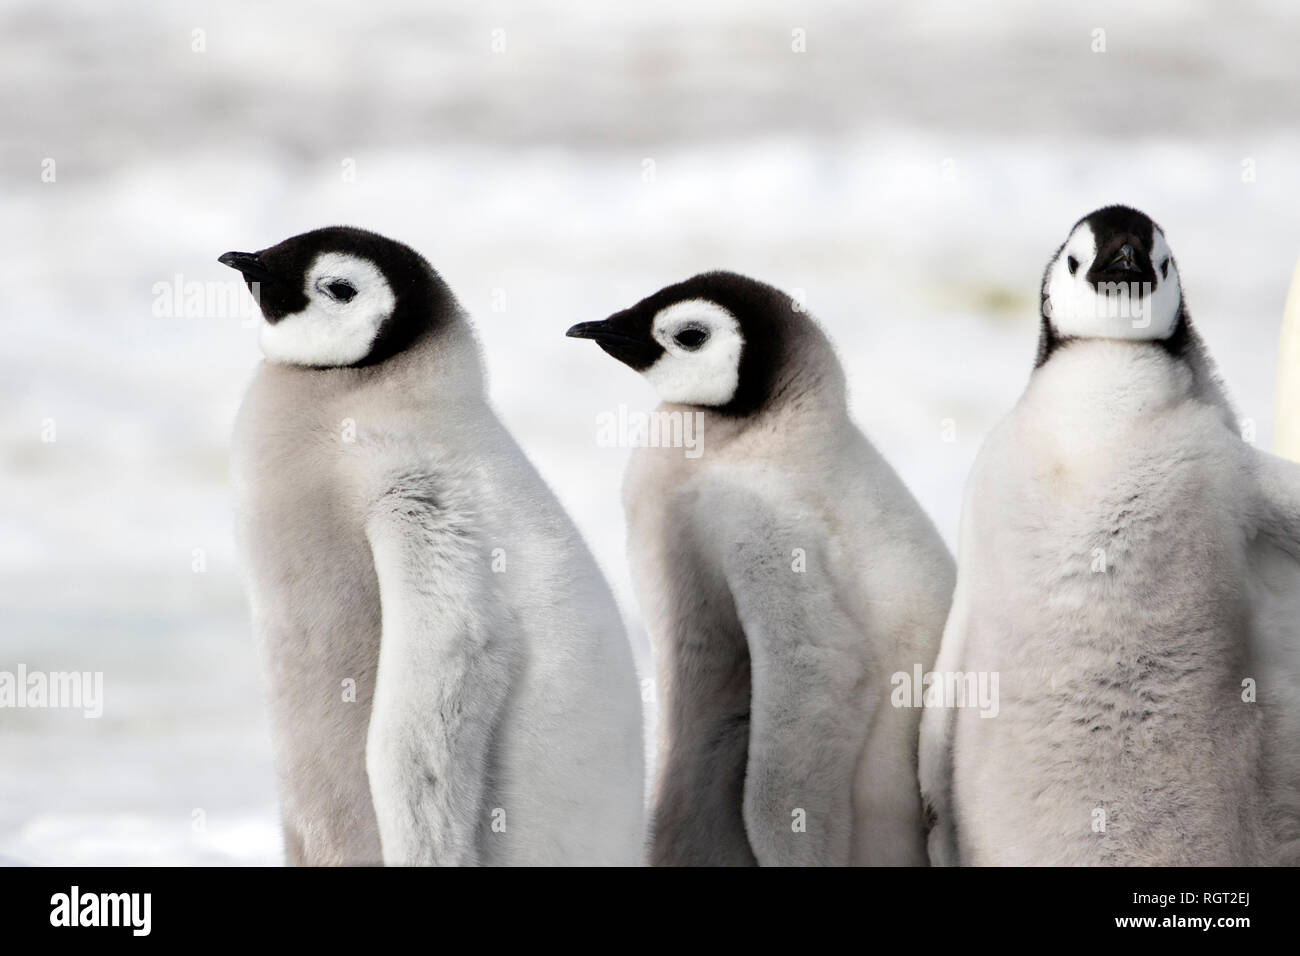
806, 386
1114, 383
441, 359
810, 374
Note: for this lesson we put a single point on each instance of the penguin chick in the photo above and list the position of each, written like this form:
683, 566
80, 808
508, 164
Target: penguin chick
1127, 568
450, 678
785, 574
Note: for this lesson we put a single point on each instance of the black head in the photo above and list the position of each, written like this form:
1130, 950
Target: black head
341, 297
717, 340
1113, 277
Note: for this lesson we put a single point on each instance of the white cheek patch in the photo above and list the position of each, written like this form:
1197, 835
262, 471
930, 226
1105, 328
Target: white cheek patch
1163, 311
708, 375
330, 333
1077, 309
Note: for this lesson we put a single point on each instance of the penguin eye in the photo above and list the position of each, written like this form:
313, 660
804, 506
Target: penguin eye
691, 338
1164, 268
1072, 264
340, 290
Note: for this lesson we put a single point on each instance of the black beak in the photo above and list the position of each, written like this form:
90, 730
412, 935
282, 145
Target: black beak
590, 330
635, 350
247, 263
1125, 260
1122, 260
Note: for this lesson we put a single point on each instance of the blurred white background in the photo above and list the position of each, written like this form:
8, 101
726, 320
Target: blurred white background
909, 172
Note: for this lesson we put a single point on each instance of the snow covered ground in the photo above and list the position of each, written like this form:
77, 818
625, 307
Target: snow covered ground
909, 174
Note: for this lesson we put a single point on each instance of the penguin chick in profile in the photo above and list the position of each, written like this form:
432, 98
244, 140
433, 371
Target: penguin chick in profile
451, 681
1128, 568
785, 574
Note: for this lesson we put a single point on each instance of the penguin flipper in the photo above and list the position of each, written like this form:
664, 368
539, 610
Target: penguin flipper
442, 678
810, 710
